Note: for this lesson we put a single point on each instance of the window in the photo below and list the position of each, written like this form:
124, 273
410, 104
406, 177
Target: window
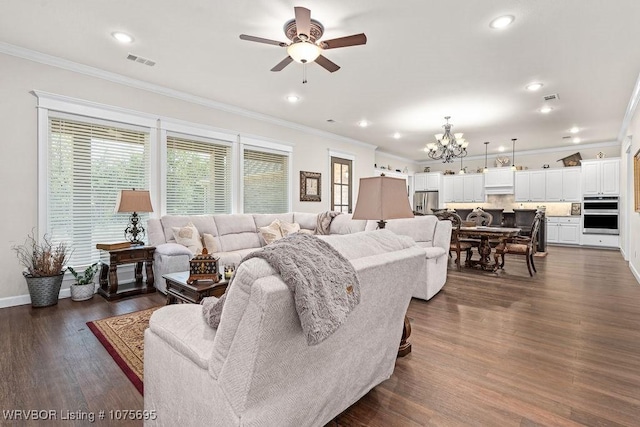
341, 184
198, 176
88, 162
266, 181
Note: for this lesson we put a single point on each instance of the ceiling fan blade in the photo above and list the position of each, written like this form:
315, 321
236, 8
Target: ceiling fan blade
303, 21
326, 64
261, 40
353, 40
286, 61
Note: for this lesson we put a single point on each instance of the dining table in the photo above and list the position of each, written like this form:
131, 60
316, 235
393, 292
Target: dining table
486, 234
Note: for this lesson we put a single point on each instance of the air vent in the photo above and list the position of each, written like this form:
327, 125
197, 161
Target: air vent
141, 60
551, 97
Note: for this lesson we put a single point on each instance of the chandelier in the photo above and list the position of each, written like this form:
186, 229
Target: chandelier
448, 146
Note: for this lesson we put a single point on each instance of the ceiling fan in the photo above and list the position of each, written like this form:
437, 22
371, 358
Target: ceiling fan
305, 46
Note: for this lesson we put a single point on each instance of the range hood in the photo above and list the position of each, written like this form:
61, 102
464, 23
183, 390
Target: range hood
499, 181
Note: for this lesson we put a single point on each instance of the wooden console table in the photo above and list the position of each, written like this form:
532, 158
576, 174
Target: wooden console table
137, 255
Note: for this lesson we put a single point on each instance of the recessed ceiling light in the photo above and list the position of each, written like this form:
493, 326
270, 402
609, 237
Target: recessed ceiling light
363, 123
122, 37
293, 98
501, 148
576, 140
534, 86
546, 110
502, 21
397, 135
574, 130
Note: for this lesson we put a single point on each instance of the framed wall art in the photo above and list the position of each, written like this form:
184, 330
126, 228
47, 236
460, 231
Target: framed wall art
310, 186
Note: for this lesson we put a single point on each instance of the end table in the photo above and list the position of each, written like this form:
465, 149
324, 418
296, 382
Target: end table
137, 255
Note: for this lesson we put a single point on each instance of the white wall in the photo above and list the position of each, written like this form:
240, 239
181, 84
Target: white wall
633, 234
18, 148
386, 160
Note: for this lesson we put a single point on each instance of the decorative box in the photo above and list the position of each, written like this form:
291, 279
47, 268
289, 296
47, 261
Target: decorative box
203, 267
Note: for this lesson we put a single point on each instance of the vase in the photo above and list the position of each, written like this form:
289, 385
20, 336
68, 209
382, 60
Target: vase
82, 292
44, 291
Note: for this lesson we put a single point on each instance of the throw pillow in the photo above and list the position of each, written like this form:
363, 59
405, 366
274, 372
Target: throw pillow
188, 236
209, 243
289, 228
272, 232
306, 231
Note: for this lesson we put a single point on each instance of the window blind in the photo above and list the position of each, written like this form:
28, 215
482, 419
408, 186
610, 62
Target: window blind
88, 164
198, 176
266, 182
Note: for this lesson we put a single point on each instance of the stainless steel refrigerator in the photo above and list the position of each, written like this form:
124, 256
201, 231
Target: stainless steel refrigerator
424, 202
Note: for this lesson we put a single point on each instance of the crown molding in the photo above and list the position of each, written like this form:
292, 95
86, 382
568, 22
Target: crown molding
630, 112
396, 157
65, 64
536, 151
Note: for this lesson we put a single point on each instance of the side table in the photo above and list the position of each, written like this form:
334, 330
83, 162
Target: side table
137, 255
178, 290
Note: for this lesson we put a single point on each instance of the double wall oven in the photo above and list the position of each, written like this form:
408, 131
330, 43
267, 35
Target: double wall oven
600, 215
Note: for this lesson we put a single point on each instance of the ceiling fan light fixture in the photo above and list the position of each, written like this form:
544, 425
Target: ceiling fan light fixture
303, 52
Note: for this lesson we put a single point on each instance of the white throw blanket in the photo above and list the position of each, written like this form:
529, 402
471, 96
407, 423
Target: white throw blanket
325, 285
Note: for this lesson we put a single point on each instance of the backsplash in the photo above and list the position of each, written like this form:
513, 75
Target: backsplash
508, 203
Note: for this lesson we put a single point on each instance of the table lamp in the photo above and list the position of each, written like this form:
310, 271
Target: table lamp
381, 198
134, 201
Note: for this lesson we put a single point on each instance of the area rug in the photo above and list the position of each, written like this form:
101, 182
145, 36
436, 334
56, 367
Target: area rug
123, 337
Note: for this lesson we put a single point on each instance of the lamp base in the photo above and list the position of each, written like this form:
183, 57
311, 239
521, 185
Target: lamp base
134, 232
381, 224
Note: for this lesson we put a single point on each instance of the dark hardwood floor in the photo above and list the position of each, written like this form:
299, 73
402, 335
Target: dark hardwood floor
561, 348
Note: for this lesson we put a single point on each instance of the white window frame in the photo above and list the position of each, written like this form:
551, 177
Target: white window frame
50, 104
199, 133
268, 146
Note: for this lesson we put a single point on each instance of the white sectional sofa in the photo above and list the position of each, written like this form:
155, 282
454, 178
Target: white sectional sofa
236, 235
256, 368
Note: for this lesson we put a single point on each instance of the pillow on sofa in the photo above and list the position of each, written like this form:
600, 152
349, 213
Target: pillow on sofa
289, 228
209, 243
188, 236
271, 232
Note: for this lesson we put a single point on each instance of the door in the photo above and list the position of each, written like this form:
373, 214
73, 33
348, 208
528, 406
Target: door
522, 184
468, 186
571, 184
569, 233
610, 180
478, 188
552, 231
458, 191
554, 185
537, 186
433, 182
447, 189
590, 179
420, 182
341, 185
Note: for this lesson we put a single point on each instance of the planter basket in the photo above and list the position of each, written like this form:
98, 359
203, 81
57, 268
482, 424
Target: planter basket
82, 292
44, 291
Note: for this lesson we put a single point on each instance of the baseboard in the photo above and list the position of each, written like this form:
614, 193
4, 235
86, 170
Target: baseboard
26, 299
635, 272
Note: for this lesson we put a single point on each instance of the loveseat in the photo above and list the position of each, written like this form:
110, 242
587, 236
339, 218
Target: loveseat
256, 368
236, 235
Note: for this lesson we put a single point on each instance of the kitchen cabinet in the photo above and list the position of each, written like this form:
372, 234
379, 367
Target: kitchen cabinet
601, 177
563, 230
426, 181
463, 188
530, 186
498, 181
563, 185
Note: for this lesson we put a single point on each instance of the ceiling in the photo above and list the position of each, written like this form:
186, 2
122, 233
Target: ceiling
424, 59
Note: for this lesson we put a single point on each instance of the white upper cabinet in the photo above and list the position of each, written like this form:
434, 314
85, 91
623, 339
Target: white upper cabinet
426, 181
530, 186
601, 177
463, 188
563, 185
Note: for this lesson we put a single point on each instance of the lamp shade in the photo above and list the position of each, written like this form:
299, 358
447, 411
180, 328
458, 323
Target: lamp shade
381, 198
303, 52
134, 201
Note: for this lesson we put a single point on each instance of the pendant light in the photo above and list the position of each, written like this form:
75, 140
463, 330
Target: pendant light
513, 153
486, 146
461, 168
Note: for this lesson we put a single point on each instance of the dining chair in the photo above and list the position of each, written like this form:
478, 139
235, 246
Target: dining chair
521, 245
480, 217
456, 245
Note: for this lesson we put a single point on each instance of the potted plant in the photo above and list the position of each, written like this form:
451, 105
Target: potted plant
83, 289
44, 264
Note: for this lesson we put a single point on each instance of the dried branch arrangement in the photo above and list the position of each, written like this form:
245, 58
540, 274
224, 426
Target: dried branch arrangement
42, 259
